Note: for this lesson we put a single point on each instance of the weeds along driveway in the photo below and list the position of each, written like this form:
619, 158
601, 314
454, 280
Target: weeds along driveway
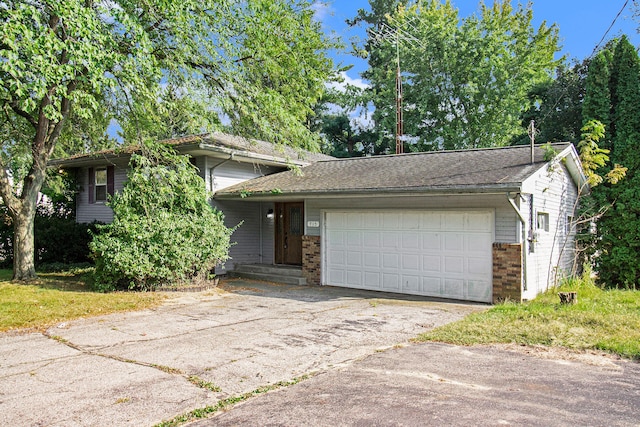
143, 367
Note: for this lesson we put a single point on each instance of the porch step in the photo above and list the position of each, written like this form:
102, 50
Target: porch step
290, 275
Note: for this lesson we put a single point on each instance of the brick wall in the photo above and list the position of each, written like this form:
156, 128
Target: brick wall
507, 272
311, 259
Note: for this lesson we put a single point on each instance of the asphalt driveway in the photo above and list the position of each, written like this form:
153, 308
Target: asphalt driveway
139, 368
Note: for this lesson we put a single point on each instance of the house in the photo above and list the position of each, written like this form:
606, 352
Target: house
478, 225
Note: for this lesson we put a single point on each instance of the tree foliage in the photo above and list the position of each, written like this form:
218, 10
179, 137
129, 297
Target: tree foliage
618, 240
257, 65
465, 81
164, 229
556, 106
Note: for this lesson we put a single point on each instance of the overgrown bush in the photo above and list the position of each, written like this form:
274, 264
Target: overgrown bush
58, 238
164, 230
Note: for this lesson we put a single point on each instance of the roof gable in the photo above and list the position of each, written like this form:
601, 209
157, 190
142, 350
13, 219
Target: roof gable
463, 170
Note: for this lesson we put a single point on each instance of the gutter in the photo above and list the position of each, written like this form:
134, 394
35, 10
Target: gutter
368, 192
278, 161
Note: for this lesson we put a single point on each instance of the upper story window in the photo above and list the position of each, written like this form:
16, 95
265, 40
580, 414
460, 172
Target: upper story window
101, 185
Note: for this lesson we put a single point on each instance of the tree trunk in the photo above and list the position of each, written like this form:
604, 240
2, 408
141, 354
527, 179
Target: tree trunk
24, 245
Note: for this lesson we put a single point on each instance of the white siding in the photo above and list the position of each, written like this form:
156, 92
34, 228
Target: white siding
551, 255
506, 220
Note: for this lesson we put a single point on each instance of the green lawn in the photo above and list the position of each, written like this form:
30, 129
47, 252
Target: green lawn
57, 297
606, 320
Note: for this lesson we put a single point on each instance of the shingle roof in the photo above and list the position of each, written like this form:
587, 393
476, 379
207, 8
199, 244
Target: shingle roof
212, 141
432, 171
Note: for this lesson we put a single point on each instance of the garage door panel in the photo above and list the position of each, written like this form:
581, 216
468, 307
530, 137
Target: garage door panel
411, 221
390, 221
337, 258
354, 239
390, 282
478, 266
411, 284
477, 243
390, 260
432, 263
372, 280
390, 240
336, 221
335, 238
454, 242
433, 253
453, 265
411, 262
354, 277
431, 285
354, 259
372, 259
478, 290
410, 240
371, 239
431, 241
337, 276
454, 221
479, 222
453, 288
371, 221
431, 221
354, 221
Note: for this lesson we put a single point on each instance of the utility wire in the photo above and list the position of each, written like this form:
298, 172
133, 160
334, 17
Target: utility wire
610, 27
595, 49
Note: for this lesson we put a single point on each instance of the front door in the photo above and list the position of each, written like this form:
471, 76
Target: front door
289, 230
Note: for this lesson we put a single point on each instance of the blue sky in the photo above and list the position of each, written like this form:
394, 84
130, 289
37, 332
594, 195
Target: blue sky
582, 23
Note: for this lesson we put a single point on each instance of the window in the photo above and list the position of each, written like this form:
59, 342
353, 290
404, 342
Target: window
542, 221
101, 185
569, 224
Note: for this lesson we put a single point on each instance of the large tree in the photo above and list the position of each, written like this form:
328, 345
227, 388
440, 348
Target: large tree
257, 65
618, 262
556, 106
465, 81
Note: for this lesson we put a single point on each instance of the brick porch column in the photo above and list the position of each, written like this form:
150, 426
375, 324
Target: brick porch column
507, 272
311, 259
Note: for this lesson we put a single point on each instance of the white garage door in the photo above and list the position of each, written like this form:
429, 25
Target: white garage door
434, 253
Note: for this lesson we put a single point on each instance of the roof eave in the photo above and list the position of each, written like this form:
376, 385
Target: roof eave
367, 192
248, 156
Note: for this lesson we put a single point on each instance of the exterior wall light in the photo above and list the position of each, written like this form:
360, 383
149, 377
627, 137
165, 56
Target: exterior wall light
270, 214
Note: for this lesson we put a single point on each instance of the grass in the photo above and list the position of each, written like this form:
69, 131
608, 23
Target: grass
227, 403
59, 297
606, 320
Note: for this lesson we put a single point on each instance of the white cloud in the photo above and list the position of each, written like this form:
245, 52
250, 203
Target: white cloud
321, 10
346, 80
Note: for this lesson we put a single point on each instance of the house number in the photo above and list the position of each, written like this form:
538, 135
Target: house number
311, 224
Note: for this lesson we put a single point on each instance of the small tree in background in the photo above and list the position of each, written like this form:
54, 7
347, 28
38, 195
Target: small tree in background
164, 230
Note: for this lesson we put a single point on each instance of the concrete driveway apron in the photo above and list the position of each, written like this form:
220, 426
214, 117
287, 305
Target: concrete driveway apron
143, 367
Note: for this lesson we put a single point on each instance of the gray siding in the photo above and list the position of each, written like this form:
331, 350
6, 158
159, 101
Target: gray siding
506, 221
223, 173
253, 240
99, 211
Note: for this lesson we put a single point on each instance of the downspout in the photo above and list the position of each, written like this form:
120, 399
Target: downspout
523, 221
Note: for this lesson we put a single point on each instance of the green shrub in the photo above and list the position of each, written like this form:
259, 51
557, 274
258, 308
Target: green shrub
59, 239
164, 230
